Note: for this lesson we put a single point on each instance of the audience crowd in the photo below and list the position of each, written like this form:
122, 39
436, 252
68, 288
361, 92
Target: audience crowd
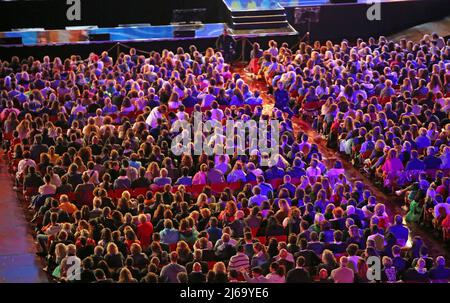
90, 147
383, 105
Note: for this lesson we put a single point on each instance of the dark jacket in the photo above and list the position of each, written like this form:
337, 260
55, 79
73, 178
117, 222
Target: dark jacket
298, 275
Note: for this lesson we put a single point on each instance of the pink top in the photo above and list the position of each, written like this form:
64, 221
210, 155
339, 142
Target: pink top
199, 178
392, 166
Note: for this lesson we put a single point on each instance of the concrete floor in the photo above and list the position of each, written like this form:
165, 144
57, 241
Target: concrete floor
416, 33
18, 262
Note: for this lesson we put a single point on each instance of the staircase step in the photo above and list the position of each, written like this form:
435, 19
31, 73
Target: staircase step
256, 25
263, 18
257, 12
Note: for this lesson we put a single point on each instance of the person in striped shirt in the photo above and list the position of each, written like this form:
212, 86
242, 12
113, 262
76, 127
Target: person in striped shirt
239, 261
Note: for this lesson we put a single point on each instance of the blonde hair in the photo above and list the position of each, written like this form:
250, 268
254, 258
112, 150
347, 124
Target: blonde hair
219, 267
112, 248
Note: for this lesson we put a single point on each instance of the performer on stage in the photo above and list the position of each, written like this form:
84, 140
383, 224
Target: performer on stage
226, 44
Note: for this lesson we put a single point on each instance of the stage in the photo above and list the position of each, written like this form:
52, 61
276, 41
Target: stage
248, 20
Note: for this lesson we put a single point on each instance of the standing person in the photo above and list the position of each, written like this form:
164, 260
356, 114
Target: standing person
226, 44
255, 54
343, 274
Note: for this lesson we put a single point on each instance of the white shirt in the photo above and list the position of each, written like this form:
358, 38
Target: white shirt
93, 176
217, 114
257, 200
78, 109
153, 117
313, 172
182, 115
23, 164
274, 278
55, 180
47, 189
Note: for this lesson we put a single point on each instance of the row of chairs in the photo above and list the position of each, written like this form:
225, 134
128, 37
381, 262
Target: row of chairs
195, 190
117, 117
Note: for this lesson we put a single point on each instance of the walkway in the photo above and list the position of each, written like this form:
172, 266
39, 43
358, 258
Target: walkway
18, 262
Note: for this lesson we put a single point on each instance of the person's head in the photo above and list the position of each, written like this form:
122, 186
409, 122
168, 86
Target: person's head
219, 267
197, 267
99, 274
440, 261
301, 261
151, 277
387, 262
257, 272
173, 257
344, 261
323, 274
125, 275
421, 264
398, 219
352, 249
182, 277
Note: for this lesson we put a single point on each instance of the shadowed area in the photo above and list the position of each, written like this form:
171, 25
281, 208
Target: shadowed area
18, 262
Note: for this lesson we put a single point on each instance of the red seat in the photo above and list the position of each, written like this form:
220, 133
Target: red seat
263, 240
276, 182
173, 247
8, 136
296, 181
211, 264
195, 190
53, 119
115, 193
254, 231
139, 191
240, 277
312, 106
235, 185
384, 100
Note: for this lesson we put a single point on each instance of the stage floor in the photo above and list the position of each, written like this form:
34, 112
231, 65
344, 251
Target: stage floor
132, 34
252, 5
117, 34
261, 5
146, 33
